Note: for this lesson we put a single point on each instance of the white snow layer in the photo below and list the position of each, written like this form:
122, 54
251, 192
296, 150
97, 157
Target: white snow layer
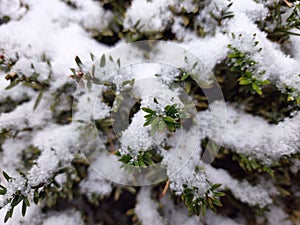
252, 135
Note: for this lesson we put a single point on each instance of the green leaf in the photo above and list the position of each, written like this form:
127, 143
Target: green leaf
6, 176
24, 208
38, 99
215, 186
11, 85
169, 119
219, 194
154, 129
78, 61
188, 87
2, 191
119, 63
155, 121
155, 101
256, 88
203, 209
148, 121
92, 56
268, 170
17, 199
8, 215
102, 61
148, 110
161, 126
26, 201
36, 197
184, 76
244, 81
170, 126
216, 202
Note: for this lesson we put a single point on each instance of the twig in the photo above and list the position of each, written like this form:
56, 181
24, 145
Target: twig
165, 189
288, 3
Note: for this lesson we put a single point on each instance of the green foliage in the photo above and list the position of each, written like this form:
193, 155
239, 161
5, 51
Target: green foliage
293, 95
242, 64
222, 14
15, 200
169, 118
185, 78
30, 81
293, 21
199, 204
282, 20
29, 155
252, 165
51, 191
7, 63
142, 159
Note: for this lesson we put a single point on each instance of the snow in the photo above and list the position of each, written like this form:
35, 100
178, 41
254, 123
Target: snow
61, 24
277, 216
147, 16
66, 218
146, 209
253, 136
177, 214
57, 153
12, 8
253, 195
95, 183
33, 216
53, 30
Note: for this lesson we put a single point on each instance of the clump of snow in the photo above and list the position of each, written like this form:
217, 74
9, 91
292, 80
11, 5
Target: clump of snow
57, 144
148, 16
65, 218
277, 216
23, 116
177, 214
215, 7
95, 183
279, 68
136, 136
60, 24
13, 9
253, 136
146, 209
7, 155
254, 10
210, 50
253, 195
